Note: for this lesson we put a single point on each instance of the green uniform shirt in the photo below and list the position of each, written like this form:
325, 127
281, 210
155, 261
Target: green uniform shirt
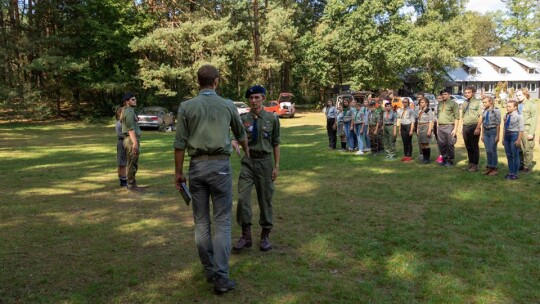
203, 125
529, 113
447, 112
130, 121
472, 109
267, 134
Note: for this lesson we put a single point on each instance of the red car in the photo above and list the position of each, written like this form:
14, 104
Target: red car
283, 106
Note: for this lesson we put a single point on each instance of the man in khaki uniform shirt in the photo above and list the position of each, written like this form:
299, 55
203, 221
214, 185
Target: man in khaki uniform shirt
132, 139
471, 120
527, 109
203, 131
447, 122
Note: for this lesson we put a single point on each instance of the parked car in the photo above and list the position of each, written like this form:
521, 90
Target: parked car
458, 99
397, 102
241, 107
156, 117
283, 107
432, 101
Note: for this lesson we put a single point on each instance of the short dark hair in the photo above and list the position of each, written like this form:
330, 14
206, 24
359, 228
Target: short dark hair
206, 75
471, 88
445, 91
420, 93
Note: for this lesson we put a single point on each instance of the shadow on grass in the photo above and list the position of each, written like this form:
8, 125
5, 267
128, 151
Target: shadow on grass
347, 228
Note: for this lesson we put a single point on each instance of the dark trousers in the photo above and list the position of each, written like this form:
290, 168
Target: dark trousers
332, 133
446, 142
471, 143
407, 140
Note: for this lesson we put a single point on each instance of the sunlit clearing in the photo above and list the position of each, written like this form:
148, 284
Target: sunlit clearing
403, 265
491, 297
142, 225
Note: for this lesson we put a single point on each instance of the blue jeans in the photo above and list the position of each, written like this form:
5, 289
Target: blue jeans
360, 137
349, 135
367, 140
212, 178
491, 147
512, 151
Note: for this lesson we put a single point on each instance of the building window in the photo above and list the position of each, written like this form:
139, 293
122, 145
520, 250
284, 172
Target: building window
503, 70
518, 85
532, 71
532, 87
488, 87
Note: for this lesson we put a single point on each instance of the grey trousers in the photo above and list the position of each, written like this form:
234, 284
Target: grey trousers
446, 142
212, 179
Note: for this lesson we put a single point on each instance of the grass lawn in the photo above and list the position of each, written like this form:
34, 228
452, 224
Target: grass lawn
348, 229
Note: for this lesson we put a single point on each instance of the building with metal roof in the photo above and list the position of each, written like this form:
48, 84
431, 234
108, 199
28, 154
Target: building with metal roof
486, 71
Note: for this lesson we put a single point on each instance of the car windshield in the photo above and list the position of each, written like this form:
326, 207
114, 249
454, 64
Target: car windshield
240, 105
149, 112
285, 98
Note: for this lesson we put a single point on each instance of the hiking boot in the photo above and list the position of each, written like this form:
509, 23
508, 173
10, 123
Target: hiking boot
488, 171
526, 170
222, 285
493, 172
473, 168
245, 240
265, 242
135, 188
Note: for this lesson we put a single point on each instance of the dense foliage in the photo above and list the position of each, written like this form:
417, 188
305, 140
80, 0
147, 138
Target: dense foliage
74, 58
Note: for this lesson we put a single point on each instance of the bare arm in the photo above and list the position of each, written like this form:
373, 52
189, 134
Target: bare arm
179, 168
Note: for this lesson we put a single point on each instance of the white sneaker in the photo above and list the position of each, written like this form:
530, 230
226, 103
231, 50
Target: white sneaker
367, 149
359, 153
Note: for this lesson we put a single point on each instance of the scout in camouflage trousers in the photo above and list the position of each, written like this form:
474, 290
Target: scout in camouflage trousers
390, 131
132, 132
527, 109
262, 129
373, 121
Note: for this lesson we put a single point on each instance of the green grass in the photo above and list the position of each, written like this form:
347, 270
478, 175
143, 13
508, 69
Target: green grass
348, 229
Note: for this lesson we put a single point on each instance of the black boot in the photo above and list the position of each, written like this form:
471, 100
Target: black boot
265, 242
343, 145
245, 241
427, 155
223, 285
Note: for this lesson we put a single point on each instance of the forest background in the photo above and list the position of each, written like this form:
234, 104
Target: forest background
74, 58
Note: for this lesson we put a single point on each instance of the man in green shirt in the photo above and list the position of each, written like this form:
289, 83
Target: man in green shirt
472, 125
527, 109
132, 133
447, 122
263, 135
203, 131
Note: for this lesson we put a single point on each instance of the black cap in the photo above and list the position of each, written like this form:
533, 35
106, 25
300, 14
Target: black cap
256, 89
127, 96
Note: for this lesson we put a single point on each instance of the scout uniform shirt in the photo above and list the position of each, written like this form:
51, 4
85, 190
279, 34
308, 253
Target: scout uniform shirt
130, 121
425, 117
373, 117
331, 112
347, 114
207, 130
406, 115
472, 109
262, 131
447, 112
528, 110
358, 117
513, 122
389, 118
491, 118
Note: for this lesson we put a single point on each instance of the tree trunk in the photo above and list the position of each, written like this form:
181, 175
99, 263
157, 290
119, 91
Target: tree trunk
256, 34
